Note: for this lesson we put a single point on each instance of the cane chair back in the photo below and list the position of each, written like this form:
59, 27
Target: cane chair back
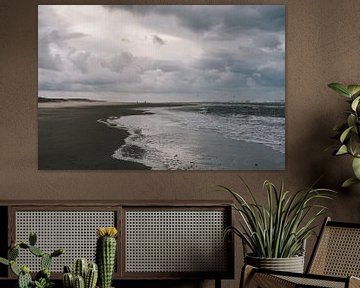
335, 262
337, 252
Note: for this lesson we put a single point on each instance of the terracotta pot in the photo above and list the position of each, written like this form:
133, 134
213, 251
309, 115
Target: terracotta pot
291, 264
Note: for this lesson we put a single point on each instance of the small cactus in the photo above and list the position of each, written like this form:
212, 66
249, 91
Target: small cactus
32, 238
14, 268
4, 261
44, 273
36, 251
91, 276
79, 282
80, 267
25, 269
24, 278
45, 261
68, 280
57, 252
24, 246
89, 272
106, 254
67, 269
13, 253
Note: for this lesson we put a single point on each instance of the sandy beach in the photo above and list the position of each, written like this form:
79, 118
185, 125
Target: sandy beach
70, 138
96, 136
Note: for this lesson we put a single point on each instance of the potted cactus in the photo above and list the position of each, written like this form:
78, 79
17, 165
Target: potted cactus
106, 254
42, 278
84, 275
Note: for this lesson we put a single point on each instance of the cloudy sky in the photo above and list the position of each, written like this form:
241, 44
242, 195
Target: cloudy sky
162, 53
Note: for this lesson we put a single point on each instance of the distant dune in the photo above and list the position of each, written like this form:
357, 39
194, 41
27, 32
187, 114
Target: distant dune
59, 100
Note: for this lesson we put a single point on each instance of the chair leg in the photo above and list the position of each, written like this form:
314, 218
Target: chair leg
217, 282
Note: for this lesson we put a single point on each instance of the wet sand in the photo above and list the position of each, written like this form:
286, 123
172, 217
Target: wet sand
70, 138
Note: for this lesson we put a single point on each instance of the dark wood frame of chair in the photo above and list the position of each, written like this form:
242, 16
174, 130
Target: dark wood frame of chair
335, 262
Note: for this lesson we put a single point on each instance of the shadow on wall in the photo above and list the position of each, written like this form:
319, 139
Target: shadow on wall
314, 159
333, 170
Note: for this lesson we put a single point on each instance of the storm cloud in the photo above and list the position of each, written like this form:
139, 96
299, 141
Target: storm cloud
162, 53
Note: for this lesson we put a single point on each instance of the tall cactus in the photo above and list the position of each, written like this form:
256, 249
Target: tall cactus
106, 254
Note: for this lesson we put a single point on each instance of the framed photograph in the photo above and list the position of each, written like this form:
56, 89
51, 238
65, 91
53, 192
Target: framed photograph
161, 87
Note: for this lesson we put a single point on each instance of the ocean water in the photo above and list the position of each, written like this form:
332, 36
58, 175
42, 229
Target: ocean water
206, 136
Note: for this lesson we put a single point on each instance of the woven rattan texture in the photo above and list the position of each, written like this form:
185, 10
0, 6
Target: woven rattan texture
260, 280
338, 253
305, 282
75, 231
175, 241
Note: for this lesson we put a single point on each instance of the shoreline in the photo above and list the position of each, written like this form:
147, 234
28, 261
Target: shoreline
77, 137
70, 138
220, 154
84, 104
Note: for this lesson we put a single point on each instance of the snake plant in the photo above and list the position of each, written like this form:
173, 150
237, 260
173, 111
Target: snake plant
279, 228
348, 132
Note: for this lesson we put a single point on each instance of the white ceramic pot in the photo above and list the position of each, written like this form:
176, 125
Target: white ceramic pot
291, 264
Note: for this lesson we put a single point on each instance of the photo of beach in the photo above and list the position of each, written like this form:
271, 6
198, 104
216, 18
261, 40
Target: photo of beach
161, 87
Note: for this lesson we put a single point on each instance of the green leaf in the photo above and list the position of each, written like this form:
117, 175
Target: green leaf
14, 268
351, 120
342, 150
345, 134
340, 88
356, 167
354, 144
4, 261
349, 182
279, 228
353, 89
355, 103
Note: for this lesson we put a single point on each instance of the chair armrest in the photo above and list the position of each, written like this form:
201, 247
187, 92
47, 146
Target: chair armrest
255, 277
354, 282
252, 277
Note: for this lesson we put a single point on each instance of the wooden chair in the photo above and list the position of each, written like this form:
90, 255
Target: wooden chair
334, 263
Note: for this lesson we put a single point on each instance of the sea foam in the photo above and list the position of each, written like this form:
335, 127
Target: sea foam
198, 136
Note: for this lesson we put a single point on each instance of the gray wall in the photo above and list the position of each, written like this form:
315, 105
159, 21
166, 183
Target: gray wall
322, 46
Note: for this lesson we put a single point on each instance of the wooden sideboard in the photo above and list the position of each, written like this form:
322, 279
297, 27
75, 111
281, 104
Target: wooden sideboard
157, 240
